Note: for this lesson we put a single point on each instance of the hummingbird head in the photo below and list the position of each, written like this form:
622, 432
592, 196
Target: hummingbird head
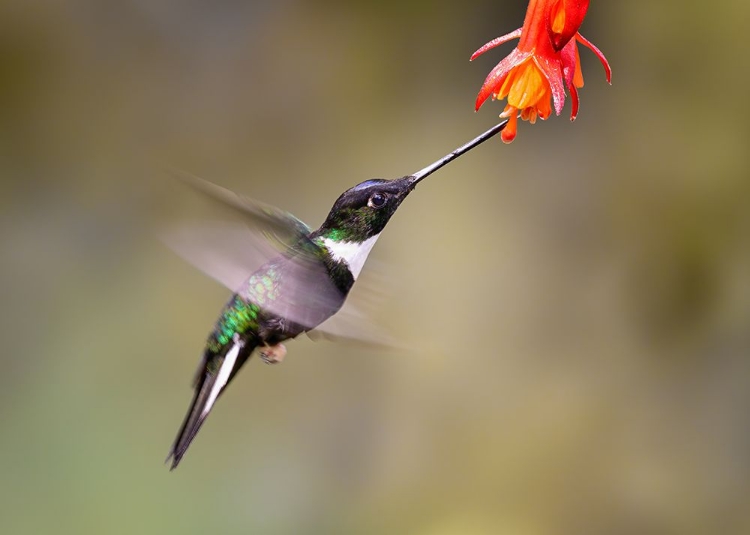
363, 211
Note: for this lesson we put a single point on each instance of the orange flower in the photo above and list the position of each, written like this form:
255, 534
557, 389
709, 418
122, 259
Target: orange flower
544, 62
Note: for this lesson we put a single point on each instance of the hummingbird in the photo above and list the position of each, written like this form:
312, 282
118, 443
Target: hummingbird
299, 288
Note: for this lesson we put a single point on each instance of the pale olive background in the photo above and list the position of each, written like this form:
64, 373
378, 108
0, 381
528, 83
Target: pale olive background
574, 307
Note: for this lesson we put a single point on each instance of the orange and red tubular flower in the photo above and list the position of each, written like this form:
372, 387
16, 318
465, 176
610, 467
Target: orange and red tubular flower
544, 63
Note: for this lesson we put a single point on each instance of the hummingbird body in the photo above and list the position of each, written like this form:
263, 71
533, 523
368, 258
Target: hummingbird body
300, 288
246, 323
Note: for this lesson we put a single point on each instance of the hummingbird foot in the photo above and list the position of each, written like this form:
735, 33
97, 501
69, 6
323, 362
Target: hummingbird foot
273, 354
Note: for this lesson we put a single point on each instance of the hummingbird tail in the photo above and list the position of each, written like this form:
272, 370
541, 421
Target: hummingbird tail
210, 381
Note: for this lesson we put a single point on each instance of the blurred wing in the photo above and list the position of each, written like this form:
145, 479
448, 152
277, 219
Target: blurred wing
351, 325
354, 323
230, 250
231, 253
227, 252
279, 227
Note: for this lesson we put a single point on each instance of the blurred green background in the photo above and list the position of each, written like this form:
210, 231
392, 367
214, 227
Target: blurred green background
576, 305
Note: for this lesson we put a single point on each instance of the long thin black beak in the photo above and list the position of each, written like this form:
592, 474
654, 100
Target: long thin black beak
427, 171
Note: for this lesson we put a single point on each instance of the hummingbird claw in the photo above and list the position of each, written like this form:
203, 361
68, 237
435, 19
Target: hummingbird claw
273, 354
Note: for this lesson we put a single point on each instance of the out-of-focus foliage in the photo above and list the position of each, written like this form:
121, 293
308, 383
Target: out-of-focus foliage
577, 316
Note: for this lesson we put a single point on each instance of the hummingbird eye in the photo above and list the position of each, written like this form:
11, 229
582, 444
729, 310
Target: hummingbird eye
377, 200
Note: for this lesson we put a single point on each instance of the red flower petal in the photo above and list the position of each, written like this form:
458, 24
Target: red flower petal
575, 12
496, 42
496, 77
573, 101
569, 61
588, 44
551, 69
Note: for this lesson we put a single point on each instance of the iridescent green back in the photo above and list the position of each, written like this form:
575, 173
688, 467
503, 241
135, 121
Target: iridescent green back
237, 317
